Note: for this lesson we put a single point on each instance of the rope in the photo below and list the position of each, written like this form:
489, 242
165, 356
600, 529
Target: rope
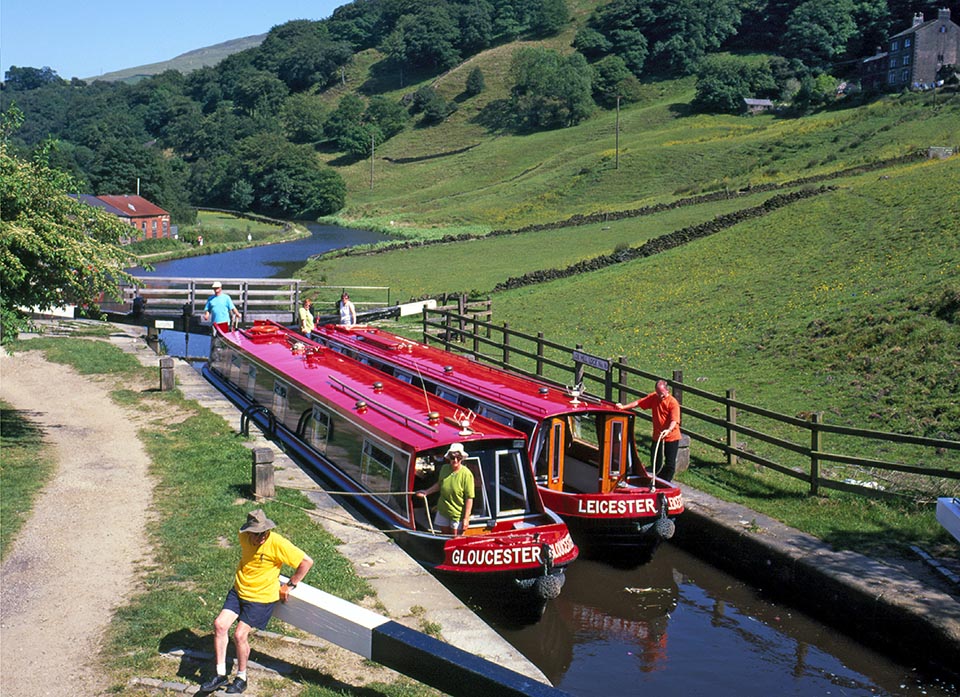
656, 451
353, 523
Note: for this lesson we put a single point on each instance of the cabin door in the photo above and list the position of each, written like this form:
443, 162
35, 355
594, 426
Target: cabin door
556, 437
614, 452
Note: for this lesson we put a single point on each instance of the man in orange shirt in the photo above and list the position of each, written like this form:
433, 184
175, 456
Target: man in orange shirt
665, 410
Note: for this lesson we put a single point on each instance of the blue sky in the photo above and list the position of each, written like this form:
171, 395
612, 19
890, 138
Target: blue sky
85, 39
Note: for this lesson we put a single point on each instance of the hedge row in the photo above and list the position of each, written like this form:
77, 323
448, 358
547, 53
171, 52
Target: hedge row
664, 242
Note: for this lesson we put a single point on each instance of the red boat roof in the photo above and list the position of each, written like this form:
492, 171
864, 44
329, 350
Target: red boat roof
396, 410
533, 398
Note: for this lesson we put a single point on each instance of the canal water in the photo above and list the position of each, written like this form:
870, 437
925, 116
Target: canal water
674, 626
269, 261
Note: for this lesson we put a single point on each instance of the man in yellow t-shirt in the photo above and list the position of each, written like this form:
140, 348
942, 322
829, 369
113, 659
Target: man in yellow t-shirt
256, 590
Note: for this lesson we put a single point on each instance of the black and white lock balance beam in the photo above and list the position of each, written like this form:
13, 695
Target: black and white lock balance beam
407, 651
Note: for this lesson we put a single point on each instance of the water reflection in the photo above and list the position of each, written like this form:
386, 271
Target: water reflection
678, 626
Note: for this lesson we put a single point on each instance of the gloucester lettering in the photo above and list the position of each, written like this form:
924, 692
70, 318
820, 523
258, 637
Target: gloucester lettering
506, 557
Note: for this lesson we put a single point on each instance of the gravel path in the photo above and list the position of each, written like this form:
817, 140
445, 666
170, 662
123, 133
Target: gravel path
74, 561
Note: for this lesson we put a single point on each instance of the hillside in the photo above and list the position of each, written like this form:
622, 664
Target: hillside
185, 62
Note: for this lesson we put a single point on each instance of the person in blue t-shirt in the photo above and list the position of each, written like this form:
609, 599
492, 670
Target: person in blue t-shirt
220, 307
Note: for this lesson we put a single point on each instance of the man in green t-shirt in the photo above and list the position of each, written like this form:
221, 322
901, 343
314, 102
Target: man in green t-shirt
255, 591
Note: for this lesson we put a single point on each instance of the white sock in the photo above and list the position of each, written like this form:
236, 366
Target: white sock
221, 669
241, 675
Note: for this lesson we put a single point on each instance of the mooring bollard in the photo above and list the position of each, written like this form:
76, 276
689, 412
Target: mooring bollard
167, 378
263, 487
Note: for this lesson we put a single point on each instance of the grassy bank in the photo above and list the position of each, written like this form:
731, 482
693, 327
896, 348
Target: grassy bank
202, 474
26, 463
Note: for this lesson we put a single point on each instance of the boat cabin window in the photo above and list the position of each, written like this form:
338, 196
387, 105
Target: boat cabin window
512, 489
481, 504
406, 377
448, 395
250, 388
318, 429
498, 415
236, 368
383, 473
279, 403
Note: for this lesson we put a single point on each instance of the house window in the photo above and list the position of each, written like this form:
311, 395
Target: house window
893, 62
153, 226
943, 30
906, 60
892, 77
905, 76
895, 46
906, 42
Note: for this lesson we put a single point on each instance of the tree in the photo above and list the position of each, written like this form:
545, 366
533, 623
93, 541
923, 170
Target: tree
344, 120
475, 83
302, 116
550, 90
288, 180
302, 54
476, 26
428, 38
667, 35
818, 32
724, 81
54, 250
549, 17
22, 79
388, 115
611, 79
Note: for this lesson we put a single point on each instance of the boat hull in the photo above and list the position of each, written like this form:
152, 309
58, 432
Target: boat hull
521, 570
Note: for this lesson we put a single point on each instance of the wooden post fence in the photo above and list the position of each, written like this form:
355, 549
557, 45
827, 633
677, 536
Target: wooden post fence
798, 456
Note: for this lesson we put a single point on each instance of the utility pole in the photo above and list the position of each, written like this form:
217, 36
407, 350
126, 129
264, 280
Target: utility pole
618, 132
373, 139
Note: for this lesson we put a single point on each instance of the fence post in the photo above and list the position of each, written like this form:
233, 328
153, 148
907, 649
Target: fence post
608, 383
731, 434
816, 442
540, 354
506, 344
476, 339
678, 386
461, 311
423, 320
621, 379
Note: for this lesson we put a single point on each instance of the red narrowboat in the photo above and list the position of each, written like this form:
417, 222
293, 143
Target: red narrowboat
376, 441
582, 448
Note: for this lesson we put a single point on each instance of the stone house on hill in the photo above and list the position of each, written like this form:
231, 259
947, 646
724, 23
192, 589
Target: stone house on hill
914, 56
150, 221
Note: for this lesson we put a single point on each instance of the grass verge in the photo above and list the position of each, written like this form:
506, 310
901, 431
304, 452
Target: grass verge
26, 463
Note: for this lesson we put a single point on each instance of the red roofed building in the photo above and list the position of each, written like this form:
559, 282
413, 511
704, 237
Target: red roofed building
151, 221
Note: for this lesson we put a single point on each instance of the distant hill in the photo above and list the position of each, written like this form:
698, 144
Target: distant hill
185, 62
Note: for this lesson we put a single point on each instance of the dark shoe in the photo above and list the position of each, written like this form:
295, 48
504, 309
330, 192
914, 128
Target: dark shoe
237, 686
213, 684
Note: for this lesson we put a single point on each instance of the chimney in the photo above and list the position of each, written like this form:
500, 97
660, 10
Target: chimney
918, 18
944, 13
